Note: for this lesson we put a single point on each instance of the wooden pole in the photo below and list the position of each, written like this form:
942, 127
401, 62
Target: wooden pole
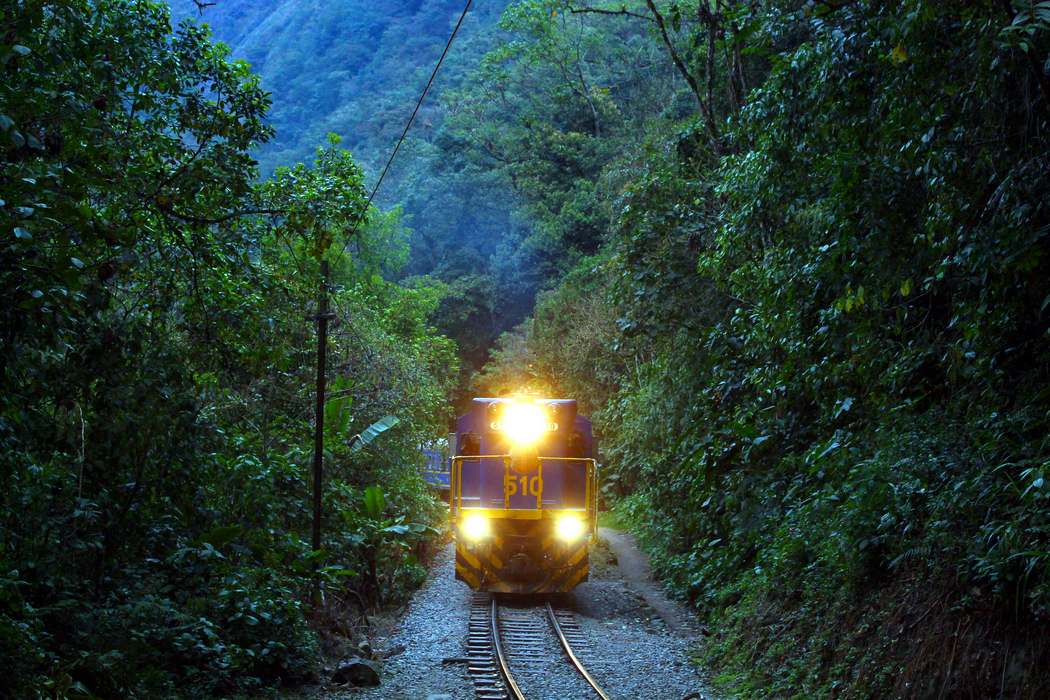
322, 349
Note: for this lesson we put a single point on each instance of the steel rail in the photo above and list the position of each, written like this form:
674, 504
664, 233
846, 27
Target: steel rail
553, 619
501, 657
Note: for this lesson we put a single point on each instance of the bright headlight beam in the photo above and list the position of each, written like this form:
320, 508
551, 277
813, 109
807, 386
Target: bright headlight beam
569, 528
524, 423
475, 527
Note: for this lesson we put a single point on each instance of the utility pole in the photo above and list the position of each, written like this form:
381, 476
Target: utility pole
322, 318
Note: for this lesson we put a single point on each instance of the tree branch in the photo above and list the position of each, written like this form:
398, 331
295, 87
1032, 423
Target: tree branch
712, 35
222, 219
622, 12
705, 107
1033, 63
583, 81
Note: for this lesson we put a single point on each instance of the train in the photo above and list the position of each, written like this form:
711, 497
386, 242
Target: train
522, 494
436, 470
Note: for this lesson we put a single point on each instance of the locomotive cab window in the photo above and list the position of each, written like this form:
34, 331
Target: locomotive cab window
469, 444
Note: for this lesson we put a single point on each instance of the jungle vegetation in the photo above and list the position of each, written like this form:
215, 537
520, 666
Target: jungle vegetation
156, 380
792, 255
810, 308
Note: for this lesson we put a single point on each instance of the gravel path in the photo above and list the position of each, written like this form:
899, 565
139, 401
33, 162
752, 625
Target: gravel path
639, 639
632, 653
633, 569
636, 639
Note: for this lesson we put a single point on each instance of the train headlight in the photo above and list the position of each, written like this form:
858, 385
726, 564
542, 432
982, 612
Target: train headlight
569, 528
475, 527
524, 423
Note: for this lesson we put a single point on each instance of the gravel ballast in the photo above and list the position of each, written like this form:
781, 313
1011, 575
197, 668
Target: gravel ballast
631, 649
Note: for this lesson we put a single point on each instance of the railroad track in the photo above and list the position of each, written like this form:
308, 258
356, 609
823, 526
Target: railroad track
500, 637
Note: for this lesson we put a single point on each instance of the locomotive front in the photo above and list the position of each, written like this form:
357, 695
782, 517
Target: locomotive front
523, 495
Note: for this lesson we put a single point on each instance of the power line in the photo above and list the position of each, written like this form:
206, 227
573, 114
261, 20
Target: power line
323, 315
408, 125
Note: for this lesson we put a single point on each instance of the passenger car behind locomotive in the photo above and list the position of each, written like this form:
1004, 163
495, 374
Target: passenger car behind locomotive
436, 470
523, 495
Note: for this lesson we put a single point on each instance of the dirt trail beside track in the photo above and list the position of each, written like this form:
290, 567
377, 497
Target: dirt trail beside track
634, 568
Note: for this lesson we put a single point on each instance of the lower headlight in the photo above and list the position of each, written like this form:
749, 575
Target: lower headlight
475, 527
569, 528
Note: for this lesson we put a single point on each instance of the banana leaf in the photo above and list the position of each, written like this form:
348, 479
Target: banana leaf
373, 431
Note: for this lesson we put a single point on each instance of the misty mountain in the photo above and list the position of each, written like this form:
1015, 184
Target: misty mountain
350, 67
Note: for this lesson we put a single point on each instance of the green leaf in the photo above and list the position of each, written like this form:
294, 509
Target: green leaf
222, 535
339, 571
828, 450
1036, 484
374, 501
845, 405
372, 432
23, 234
315, 555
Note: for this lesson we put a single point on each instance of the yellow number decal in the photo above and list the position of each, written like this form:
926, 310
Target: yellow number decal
511, 486
528, 487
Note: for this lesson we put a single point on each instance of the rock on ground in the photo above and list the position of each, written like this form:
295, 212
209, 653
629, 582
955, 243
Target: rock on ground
357, 672
433, 630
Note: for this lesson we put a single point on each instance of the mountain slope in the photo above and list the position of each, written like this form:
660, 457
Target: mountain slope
354, 68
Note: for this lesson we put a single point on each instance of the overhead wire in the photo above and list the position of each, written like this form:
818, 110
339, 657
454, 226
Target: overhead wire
408, 125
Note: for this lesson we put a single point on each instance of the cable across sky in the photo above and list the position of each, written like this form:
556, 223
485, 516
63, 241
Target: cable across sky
408, 124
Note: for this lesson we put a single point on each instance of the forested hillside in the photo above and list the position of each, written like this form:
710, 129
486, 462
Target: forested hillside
813, 321
351, 68
356, 69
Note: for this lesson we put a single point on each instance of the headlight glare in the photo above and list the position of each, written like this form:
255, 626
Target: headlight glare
569, 528
475, 527
524, 423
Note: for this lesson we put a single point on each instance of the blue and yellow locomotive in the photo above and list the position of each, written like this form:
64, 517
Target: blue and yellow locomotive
523, 495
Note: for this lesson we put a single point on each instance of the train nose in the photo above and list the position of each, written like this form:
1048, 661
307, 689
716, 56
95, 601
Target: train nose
520, 567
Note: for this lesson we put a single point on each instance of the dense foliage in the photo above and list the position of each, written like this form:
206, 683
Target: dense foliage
815, 330
155, 404
792, 255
